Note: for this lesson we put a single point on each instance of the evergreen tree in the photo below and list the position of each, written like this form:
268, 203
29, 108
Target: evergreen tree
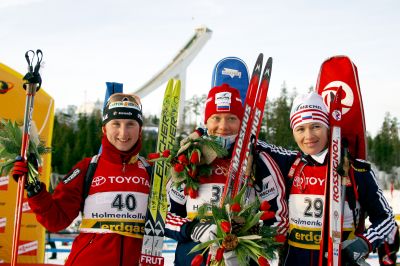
277, 123
386, 145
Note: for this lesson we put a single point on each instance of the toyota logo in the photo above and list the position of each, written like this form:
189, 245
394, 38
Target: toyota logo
98, 181
348, 97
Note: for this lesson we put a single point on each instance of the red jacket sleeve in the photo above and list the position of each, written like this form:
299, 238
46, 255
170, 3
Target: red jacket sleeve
58, 210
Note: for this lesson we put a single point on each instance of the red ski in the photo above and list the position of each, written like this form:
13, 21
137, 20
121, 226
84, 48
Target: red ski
249, 128
338, 75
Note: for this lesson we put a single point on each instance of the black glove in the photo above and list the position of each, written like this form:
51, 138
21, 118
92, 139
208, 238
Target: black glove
354, 251
203, 231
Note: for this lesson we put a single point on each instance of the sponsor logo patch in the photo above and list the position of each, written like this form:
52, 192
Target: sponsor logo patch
231, 72
177, 195
268, 190
70, 177
223, 101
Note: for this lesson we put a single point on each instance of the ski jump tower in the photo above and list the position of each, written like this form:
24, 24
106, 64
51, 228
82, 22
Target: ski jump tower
177, 68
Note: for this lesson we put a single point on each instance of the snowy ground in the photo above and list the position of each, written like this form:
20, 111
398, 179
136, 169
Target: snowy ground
169, 258
393, 199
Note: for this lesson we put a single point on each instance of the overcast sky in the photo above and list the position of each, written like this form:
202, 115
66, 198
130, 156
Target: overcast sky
87, 42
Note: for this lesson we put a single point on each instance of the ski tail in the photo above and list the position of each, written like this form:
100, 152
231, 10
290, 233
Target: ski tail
244, 131
334, 193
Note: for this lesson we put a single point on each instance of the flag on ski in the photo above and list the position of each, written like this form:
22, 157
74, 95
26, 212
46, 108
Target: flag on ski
249, 128
157, 204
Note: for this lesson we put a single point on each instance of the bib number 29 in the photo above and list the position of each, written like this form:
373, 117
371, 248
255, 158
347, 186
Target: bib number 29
314, 208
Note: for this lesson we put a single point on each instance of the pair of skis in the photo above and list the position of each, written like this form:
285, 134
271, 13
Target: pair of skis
339, 75
249, 128
153, 238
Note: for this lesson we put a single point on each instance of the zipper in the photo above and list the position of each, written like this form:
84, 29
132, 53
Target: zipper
123, 167
122, 251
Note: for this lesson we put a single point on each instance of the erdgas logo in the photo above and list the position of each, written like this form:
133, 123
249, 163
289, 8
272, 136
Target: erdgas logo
348, 99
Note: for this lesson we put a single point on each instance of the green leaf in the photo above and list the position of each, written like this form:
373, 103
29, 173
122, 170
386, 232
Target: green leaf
250, 223
204, 245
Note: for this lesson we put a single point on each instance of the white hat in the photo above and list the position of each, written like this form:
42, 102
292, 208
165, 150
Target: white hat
308, 108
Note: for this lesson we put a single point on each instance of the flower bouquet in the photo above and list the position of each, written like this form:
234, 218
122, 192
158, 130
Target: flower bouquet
239, 230
10, 148
190, 161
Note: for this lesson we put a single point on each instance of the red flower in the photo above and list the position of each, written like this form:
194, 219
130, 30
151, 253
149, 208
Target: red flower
153, 156
179, 167
185, 191
265, 206
193, 193
225, 226
280, 238
263, 261
220, 254
166, 153
182, 158
267, 215
192, 173
236, 207
197, 260
195, 157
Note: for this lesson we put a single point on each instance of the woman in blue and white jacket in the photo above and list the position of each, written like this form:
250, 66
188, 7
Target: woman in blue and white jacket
305, 175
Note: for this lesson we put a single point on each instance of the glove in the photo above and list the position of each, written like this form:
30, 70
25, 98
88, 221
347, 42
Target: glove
203, 232
354, 251
185, 142
20, 168
230, 258
32, 185
34, 188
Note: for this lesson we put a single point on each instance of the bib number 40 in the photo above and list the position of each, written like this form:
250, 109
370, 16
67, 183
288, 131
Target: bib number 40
122, 201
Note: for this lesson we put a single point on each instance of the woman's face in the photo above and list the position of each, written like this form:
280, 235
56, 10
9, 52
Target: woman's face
224, 124
311, 138
122, 133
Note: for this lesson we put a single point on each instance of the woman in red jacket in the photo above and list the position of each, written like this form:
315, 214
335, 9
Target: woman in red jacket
114, 204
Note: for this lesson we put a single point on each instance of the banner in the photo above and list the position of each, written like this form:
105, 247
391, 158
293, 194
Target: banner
12, 107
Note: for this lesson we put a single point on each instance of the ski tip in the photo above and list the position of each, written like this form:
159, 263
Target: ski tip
258, 66
268, 69
177, 85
